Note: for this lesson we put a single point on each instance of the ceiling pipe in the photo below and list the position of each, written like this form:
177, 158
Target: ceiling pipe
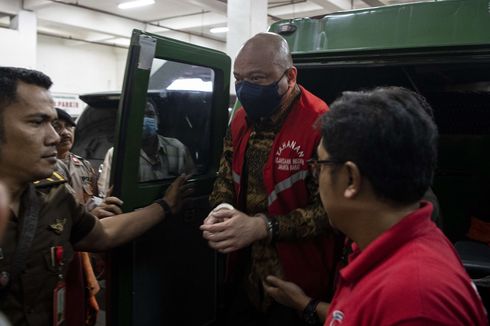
82, 40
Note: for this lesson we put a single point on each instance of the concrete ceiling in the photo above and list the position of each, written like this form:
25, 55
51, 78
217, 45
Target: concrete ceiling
101, 21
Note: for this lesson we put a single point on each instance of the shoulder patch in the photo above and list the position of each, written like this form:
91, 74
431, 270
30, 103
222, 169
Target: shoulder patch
76, 160
55, 179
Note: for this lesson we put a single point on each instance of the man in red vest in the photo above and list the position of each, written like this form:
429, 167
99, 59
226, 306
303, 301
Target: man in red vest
269, 218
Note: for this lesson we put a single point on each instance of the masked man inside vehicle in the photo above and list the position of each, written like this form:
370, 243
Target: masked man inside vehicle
160, 157
45, 227
273, 221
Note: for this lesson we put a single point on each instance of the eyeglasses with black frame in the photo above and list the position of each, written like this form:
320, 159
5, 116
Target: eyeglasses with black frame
315, 165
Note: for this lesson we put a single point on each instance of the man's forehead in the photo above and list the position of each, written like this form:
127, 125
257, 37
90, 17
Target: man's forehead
250, 66
34, 100
29, 93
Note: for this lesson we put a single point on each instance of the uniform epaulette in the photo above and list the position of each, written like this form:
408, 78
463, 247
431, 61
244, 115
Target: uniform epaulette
78, 160
55, 179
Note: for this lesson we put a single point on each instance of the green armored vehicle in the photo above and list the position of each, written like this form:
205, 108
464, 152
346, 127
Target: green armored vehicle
439, 49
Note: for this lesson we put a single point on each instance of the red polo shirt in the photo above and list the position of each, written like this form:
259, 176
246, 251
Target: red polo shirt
409, 275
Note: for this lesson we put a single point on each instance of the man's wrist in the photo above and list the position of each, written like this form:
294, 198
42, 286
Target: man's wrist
271, 226
309, 313
166, 207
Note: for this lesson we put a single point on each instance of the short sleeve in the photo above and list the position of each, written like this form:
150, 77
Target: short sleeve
83, 223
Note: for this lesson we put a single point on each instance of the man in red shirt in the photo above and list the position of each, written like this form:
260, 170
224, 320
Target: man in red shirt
375, 162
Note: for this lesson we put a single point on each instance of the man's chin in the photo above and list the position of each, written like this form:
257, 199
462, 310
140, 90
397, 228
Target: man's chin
45, 173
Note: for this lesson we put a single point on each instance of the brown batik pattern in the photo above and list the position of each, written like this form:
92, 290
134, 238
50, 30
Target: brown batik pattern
301, 223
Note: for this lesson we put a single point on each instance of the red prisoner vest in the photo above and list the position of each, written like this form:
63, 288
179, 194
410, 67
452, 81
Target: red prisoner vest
308, 263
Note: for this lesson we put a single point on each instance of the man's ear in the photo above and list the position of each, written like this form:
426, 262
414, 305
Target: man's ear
292, 74
354, 180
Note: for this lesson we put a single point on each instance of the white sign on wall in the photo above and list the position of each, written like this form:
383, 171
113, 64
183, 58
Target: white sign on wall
69, 102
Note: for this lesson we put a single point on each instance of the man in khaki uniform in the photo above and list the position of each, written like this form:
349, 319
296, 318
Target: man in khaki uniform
45, 228
81, 283
82, 175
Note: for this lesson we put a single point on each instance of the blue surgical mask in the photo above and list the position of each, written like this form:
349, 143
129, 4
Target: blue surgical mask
259, 101
149, 127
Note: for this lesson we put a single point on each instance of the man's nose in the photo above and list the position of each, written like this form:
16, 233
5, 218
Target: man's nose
63, 132
52, 137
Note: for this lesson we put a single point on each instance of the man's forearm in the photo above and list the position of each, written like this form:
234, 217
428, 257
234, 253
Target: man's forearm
116, 230
301, 223
125, 227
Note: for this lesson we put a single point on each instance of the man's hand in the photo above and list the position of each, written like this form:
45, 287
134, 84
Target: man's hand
110, 206
212, 218
177, 192
286, 293
228, 230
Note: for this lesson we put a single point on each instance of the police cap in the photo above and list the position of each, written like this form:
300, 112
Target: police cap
63, 115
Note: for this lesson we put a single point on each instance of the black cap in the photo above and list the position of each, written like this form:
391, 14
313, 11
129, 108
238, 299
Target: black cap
63, 115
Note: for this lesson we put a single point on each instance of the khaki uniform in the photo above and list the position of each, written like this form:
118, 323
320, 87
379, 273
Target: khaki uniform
62, 221
82, 177
80, 273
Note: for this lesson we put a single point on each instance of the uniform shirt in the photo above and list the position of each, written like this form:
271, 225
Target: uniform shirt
172, 160
301, 223
62, 222
409, 275
82, 177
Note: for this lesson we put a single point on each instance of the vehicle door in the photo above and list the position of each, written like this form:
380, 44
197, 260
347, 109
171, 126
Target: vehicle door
168, 276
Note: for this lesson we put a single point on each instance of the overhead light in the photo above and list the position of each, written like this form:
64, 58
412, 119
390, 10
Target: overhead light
121, 41
216, 30
191, 84
135, 4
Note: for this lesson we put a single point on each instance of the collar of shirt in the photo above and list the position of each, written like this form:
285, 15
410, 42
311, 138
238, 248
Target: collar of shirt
162, 148
409, 228
154, 159
67, 159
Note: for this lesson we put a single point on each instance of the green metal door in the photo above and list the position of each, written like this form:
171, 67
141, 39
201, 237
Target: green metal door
168, 276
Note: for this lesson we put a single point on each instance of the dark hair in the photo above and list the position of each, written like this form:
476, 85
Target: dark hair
9, 77
389, 133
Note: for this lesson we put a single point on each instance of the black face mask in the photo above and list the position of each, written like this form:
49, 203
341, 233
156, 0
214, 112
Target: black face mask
259, 101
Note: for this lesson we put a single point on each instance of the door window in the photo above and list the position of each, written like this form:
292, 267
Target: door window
176, 123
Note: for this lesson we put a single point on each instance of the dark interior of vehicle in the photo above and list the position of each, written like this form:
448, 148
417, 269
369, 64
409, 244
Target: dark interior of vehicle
459, 94
186, 115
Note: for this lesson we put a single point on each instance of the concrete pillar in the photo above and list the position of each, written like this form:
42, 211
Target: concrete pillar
19, 42
245, 19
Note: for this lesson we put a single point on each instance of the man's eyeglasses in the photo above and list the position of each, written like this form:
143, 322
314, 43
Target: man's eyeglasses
315, 165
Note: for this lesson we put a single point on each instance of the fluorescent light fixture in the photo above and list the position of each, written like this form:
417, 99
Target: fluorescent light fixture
217, 30
135, 4
122, 41
191, 84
